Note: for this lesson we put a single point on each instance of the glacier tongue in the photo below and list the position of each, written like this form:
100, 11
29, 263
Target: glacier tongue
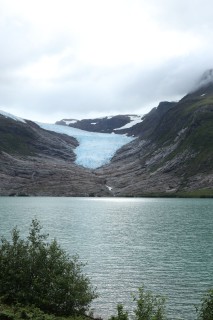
95, 149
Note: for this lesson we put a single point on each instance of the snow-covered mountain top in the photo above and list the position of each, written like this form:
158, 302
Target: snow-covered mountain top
95, 149
135, 119
118, 124
69, 121
11, 116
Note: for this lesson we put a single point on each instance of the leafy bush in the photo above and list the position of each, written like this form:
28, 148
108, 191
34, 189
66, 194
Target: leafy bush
205, 312
36, 272
148, 307
122, 315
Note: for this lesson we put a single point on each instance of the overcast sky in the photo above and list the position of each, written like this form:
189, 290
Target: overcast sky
90, 58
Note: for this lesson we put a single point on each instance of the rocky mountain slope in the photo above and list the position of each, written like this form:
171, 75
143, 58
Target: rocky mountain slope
174, 158
34, 161
171, 154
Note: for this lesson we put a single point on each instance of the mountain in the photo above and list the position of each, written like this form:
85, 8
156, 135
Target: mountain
119, 124
169, 152
130, 125
34, 161
173, 159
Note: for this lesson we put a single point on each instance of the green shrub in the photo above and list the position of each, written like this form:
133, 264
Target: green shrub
205, 312
148, 306
121, 314
36, 272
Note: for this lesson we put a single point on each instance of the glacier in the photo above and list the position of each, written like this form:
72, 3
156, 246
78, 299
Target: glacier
95, 149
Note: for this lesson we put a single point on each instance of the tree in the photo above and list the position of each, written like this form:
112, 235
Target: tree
148, 306
121, 314
37, 272
205, 312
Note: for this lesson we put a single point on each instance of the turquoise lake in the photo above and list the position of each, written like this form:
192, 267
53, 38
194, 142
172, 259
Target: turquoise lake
165, 244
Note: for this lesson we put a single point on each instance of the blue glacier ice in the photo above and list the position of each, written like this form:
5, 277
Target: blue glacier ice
95, 149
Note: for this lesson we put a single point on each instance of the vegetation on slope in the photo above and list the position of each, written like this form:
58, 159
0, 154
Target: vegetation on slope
15, 137
189, 124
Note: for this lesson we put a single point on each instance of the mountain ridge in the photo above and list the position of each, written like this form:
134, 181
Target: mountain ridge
171, 154
175, 158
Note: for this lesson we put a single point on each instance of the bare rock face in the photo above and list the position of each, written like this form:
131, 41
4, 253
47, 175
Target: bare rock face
46, 176
140, 169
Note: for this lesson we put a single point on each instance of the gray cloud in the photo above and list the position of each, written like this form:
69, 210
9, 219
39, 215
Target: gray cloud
45, 77
194, 15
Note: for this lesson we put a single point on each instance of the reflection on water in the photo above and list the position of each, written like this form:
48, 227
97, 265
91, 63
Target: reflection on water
165, 244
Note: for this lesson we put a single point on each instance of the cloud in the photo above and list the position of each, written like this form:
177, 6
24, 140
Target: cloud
78, 59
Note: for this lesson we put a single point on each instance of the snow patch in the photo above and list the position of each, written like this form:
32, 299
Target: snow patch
69, 121
202, 95
95, 149
11, 116
93, 122
133, 121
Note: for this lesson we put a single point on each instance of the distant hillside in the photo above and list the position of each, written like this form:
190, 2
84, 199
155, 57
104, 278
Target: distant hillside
112, 124
131, 125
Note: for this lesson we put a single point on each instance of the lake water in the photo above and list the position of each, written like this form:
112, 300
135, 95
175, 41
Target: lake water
165, 244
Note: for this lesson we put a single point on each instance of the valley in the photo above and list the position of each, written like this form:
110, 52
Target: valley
167, 152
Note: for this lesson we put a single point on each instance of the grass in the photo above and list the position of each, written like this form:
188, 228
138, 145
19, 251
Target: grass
200, 103
197, 139
13, 145
198, 193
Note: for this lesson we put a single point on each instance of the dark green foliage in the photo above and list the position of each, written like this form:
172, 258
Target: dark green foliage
18, 312
33, 271
205, 312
